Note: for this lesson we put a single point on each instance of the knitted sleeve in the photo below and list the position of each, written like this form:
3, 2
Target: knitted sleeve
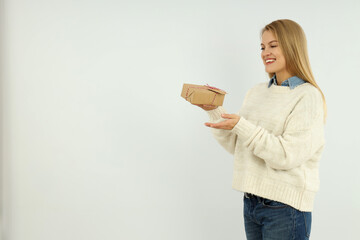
226, 138
301, 139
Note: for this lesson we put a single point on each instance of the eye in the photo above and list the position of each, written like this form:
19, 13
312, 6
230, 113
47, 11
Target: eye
273, 46
262, 48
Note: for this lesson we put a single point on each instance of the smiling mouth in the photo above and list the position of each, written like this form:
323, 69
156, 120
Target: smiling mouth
269, 61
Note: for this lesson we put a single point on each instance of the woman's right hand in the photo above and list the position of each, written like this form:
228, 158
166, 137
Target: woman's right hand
206, 107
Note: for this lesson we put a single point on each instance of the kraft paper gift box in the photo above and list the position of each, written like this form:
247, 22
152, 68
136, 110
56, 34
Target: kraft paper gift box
203, 94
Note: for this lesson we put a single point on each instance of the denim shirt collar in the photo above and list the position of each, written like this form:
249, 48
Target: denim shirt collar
292, 82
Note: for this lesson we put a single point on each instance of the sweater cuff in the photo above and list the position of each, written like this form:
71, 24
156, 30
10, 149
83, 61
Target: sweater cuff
215, 114
244, 129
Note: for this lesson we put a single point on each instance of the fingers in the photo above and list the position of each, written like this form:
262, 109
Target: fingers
212, 125
208, 124
205, 106
229, 124
229, 116
221, 125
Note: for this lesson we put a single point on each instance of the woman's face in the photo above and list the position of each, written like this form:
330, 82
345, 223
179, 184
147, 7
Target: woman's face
272, 55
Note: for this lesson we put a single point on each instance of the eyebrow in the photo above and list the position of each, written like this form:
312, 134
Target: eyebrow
269, 42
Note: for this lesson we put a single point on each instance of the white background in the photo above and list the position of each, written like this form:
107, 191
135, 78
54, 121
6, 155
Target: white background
98, 144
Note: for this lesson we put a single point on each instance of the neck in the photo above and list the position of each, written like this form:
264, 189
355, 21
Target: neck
282, 76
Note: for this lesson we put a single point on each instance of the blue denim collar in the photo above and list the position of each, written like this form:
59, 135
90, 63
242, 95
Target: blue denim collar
292, 82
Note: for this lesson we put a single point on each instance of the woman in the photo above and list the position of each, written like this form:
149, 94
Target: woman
277, 138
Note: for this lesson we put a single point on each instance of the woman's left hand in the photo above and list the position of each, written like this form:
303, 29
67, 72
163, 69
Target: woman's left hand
232, 120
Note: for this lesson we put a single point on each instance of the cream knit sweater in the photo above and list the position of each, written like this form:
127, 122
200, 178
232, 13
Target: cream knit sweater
277, 143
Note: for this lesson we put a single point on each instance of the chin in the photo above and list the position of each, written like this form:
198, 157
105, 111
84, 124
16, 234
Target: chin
270, 70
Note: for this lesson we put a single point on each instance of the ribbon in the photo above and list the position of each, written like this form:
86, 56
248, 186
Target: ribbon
207, 86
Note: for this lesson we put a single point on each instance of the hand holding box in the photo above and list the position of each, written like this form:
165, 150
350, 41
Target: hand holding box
203, 94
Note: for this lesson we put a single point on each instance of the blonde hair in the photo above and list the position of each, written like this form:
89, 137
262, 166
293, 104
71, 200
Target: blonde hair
292, 42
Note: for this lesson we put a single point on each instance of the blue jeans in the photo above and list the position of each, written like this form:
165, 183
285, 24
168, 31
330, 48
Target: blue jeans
271, 220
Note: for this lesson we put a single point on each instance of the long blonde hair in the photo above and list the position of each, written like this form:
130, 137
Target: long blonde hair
292, 42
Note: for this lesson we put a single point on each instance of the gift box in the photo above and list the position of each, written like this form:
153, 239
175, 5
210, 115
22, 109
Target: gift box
203, 94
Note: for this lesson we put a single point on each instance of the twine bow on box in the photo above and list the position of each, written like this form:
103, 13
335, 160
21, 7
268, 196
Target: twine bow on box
206, 87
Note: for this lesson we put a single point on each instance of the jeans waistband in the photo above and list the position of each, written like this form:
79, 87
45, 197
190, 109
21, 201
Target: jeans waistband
250, 195
253, 196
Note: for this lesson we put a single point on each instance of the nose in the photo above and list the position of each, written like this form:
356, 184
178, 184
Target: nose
266, 53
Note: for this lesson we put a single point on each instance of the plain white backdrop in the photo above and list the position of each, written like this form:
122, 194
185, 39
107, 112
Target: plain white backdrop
98, 144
